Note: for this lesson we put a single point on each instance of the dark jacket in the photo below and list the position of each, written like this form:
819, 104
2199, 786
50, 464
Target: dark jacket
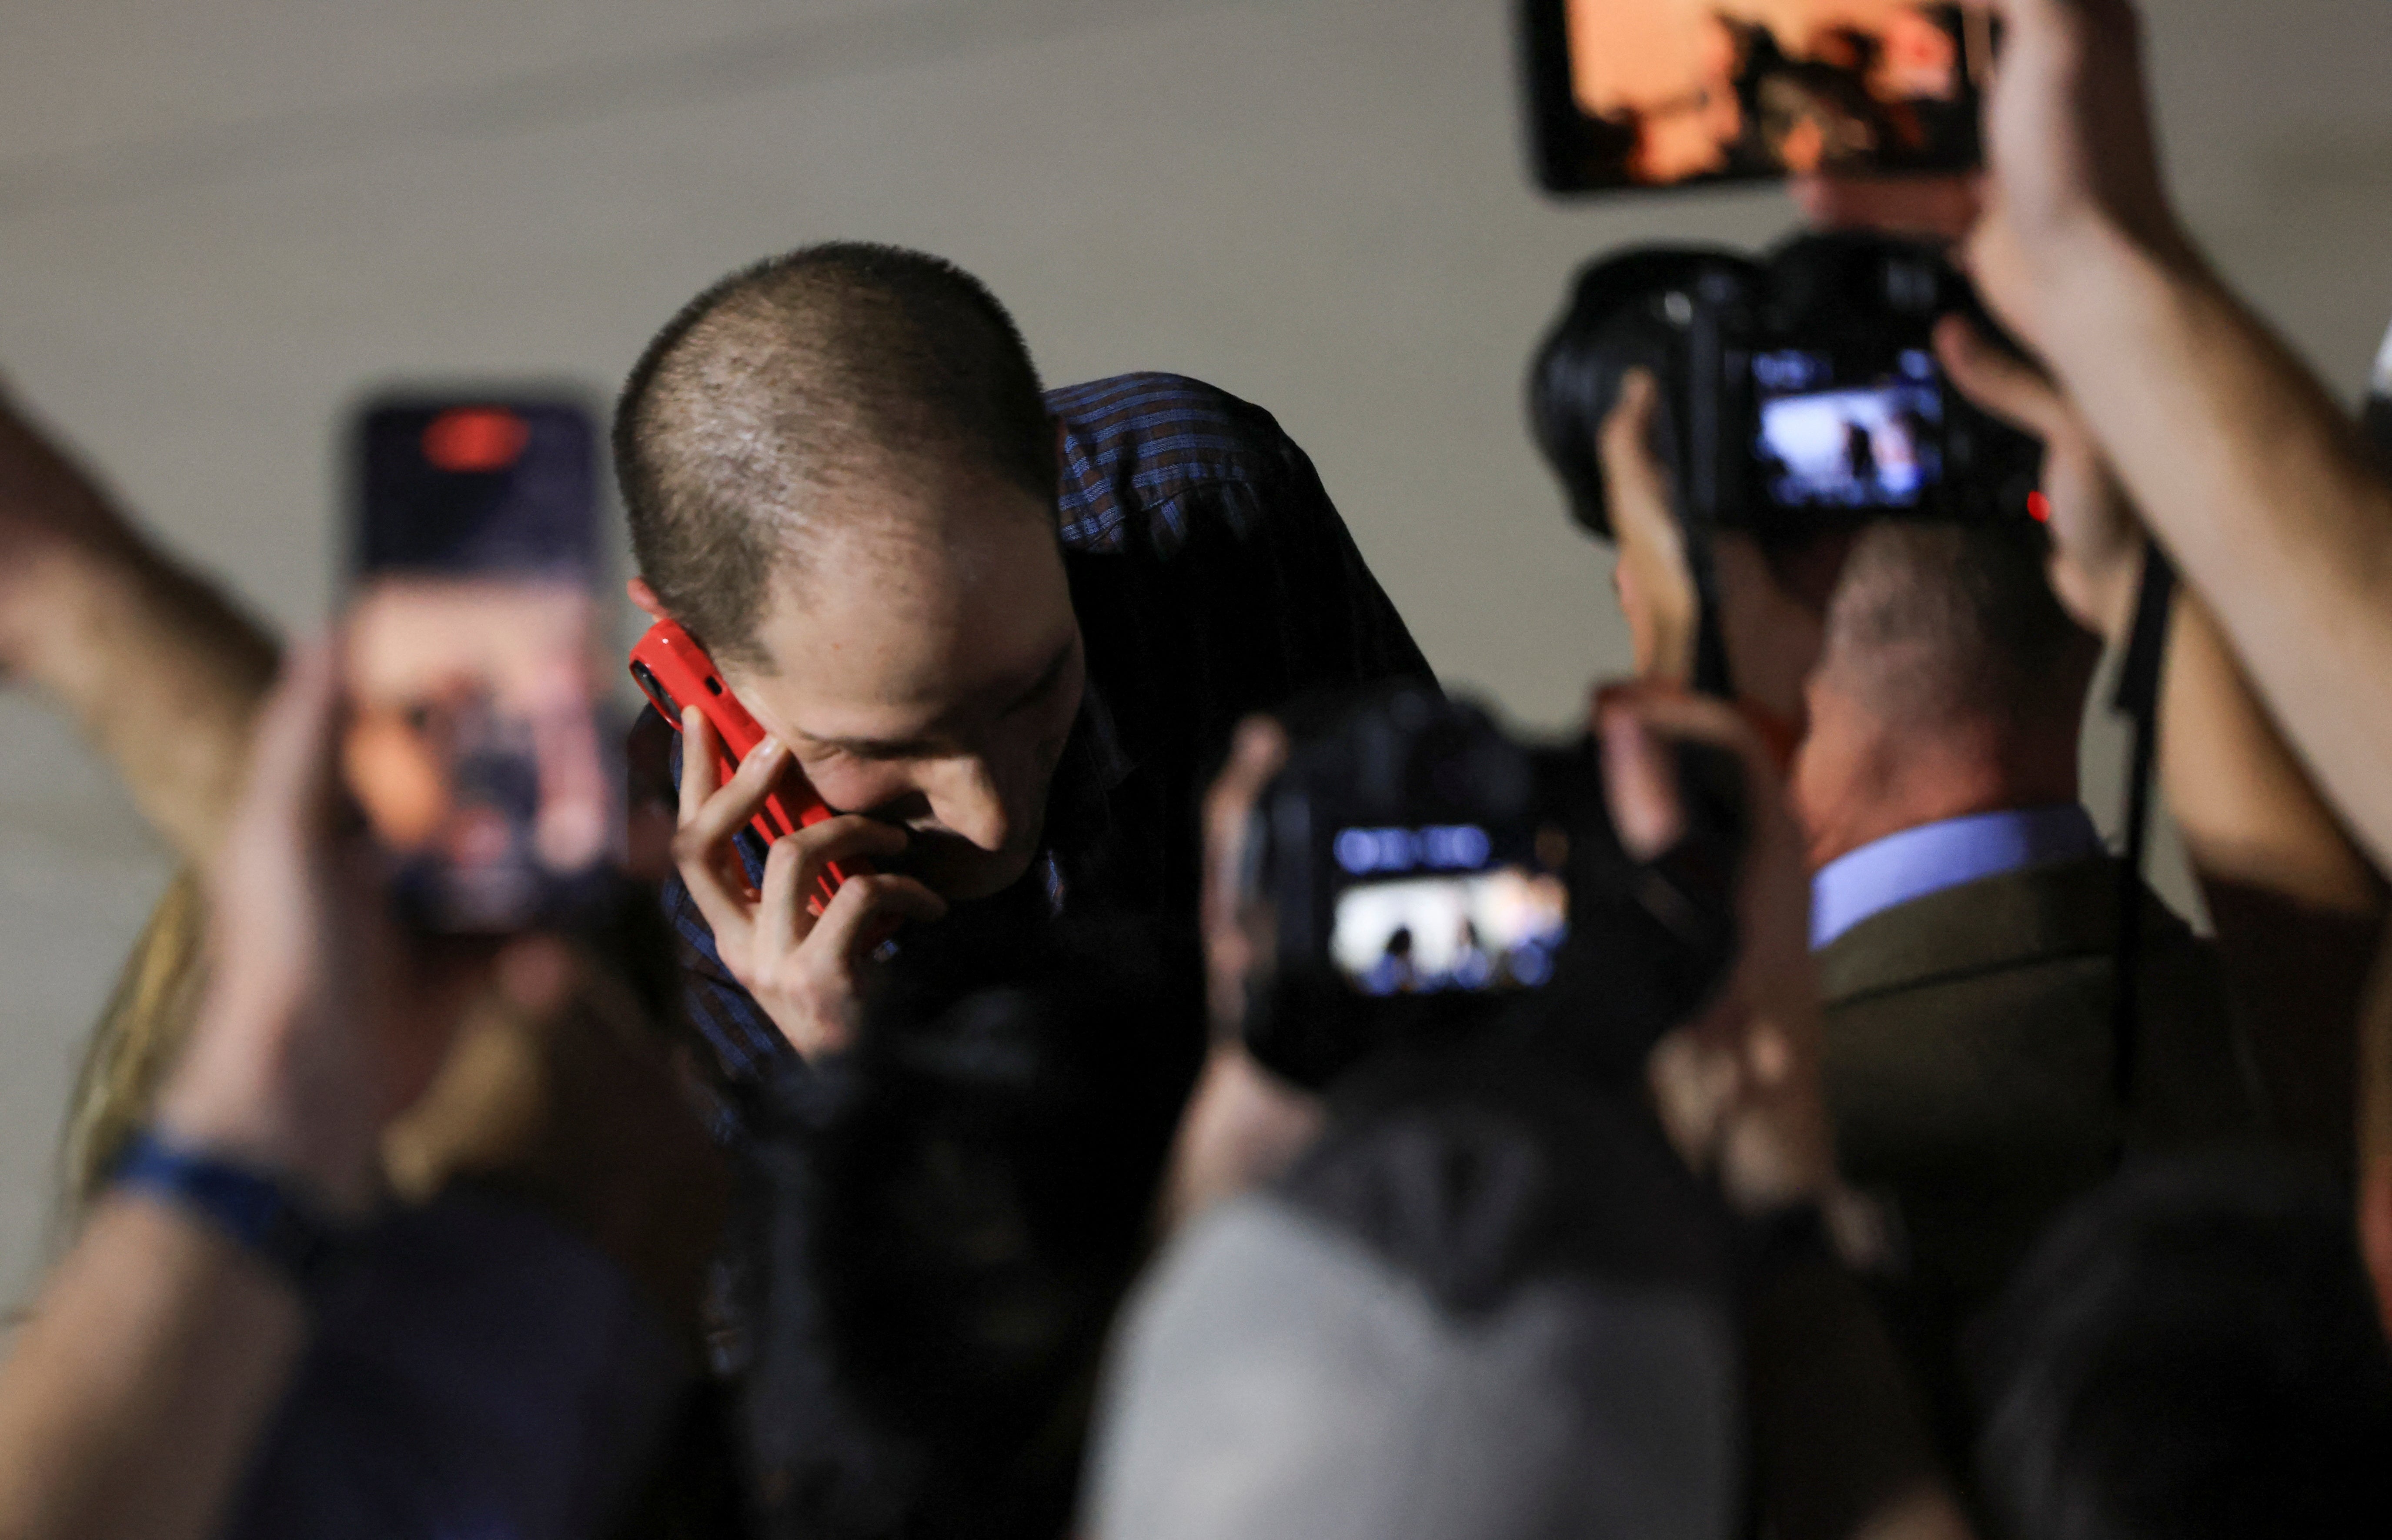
1970, 1068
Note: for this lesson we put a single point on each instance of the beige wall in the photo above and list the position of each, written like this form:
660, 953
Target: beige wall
221, 219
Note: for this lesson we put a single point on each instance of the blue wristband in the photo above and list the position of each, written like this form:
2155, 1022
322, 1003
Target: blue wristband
262, 1217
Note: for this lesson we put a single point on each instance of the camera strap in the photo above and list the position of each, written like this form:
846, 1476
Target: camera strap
2137, 699
1711, 675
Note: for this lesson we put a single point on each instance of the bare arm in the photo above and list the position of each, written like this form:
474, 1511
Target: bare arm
2296, 905
158, 1349
144, 1374
161, 671
2247, 471
2257, 487
2298, 911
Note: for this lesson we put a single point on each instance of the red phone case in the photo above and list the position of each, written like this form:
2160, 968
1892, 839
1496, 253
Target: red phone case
673, 671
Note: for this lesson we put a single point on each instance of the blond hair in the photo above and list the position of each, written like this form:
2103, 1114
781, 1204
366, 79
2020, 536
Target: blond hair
139, 1033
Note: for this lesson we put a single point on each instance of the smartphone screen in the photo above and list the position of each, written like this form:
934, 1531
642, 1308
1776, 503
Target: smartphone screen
1837, 435
474, 661
1663, 93
1447, 907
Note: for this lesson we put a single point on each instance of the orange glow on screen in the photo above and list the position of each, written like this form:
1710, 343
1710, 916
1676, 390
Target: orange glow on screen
1647, 54
1689, 75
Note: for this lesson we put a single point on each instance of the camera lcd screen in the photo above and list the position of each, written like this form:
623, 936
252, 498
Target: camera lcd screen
1443, 908
1829, 441
1658, 93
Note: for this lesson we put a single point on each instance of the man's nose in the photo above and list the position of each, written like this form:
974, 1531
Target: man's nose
967, 801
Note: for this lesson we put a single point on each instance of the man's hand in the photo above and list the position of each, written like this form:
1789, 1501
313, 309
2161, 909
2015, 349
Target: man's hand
800, 966
1739, 1087
1653, 580
1244, 1125
2072, 162
2097, 556
1773, 613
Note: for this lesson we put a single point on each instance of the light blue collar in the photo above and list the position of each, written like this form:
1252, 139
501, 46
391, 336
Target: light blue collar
1915, 862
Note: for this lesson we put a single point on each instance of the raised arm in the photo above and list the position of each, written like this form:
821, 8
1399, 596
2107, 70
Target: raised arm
161, 671
2296, 906
153, 1357
2247, 471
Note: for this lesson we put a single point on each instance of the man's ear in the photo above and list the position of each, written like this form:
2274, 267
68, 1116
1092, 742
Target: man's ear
645, 597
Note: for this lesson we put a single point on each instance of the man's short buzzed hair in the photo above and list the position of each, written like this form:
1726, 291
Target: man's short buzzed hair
795, 376
1934, 623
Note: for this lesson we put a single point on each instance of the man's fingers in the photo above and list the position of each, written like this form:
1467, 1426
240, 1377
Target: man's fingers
701, 847
2001, 382
863, 900
699, 775
797, 861
781, 914
1637, 782
1256, 754
1646, 718
712, 820
1625, 440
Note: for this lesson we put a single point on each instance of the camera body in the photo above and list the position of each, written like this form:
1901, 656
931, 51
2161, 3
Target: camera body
1427, 876
1798, 391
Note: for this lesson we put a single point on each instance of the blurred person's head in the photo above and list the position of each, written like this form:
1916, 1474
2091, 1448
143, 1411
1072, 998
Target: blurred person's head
2191, 1352
1950, 682
840, 478
1488, 1303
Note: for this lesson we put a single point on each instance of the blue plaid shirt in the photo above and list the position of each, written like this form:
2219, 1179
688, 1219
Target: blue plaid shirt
1212, 579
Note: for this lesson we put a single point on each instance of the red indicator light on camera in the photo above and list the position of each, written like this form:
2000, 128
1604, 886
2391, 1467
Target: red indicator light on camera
2038, 508
475, 438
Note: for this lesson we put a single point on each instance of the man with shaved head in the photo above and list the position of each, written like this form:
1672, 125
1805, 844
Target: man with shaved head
1002, 632
1006, 634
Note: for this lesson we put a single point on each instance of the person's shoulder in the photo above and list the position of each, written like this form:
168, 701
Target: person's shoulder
1153, 405
1975, 936
1134, 449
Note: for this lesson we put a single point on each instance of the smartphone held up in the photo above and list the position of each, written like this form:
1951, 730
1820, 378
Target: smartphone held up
1627, 93
473, 652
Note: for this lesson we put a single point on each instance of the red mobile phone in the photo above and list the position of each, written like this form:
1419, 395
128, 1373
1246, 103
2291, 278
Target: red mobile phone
673, 671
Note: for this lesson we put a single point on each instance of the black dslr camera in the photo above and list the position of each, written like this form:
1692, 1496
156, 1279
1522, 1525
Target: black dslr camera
1429, 876
1798, 391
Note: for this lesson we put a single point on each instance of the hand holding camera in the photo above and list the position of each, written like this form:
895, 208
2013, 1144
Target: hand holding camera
1738, 1085
2096, 539
1639, 911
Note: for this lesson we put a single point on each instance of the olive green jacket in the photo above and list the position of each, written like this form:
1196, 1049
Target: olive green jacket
1969, 1066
